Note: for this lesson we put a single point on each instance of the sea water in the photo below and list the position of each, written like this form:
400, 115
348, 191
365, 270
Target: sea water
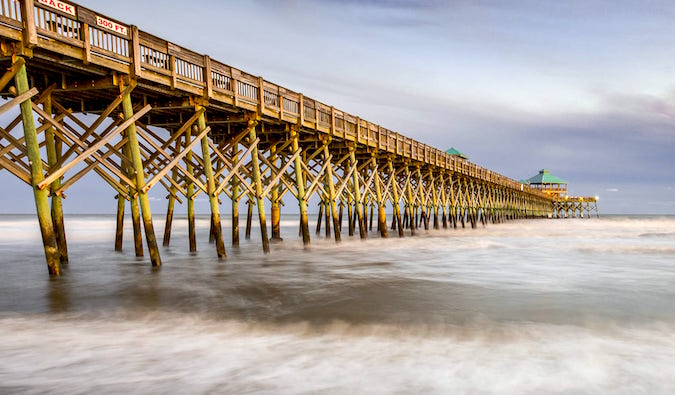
531, 306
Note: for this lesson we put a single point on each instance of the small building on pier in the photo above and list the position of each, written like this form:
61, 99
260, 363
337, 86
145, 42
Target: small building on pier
455, 152
547, 183
564, 206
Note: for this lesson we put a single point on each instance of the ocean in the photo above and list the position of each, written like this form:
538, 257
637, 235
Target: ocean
569, 306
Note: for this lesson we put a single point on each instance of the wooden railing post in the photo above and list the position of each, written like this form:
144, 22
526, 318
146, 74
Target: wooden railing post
87, 43
208, 81
29, 30
135, 43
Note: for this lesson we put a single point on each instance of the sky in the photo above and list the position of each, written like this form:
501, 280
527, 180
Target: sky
585, 89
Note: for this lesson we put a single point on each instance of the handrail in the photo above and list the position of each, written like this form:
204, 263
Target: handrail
124, 48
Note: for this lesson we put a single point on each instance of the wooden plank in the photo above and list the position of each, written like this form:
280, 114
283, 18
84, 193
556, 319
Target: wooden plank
18, 100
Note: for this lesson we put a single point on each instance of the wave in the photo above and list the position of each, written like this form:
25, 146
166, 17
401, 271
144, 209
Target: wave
164, 353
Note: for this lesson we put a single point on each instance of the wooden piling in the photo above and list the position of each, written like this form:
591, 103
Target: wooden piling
170, 206
300, 186
410, 202
422, 202
434, 198
192, 234
249, 218
381, 215
211, 187
236, 196
275, 212
350, 217
53, 155
396, 198
119, 231
41, 196
357, 194
144, 202
257, 180
331, 195
319, 218
133, 203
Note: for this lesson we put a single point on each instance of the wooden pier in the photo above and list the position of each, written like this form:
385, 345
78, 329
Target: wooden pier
167, 117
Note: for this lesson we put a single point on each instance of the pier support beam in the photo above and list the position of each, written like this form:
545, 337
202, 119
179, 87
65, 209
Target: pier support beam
211, 187
192, 236
236, 197
410, 204
275, 212
396, 198
135, 151
255, 165
444, 201
133, 204
170, 206
41, 195
422, 202
53, 155
434, 198
331, 195
381, 216
119, 231
300, 186
358, 202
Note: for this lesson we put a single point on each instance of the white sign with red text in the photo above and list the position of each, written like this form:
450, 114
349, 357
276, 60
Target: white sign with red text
59, 5
110, 25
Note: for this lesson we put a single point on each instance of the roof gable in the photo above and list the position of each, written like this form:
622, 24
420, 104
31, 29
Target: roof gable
545, 177
456, 152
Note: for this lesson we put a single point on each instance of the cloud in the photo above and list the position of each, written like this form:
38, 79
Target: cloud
612, 190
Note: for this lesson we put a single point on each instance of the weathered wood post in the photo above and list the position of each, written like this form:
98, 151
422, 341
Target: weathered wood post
381, 215
192, 236
397, 205
319, 218
171, 204
434, 198
53, 155
350, 216
41, 196
211, 187
300, 186
357, 193
249, 218
236, 197
422, 202
331, 195
410, 202
444, 200
275, 212
133, 204
119, 231
257, 179
137, 161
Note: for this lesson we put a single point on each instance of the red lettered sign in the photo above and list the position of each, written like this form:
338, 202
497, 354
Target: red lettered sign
110, 25
59, 5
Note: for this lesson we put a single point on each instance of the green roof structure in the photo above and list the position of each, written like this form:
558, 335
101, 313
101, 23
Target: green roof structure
456, 152
544, 177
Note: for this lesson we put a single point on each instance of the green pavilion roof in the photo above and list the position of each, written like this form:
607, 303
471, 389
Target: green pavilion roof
544, 177
456, 152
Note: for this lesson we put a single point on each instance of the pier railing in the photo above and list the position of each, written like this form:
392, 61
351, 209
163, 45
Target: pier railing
104, 41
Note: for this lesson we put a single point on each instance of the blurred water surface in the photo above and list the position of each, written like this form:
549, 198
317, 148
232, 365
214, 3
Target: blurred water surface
540, 306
